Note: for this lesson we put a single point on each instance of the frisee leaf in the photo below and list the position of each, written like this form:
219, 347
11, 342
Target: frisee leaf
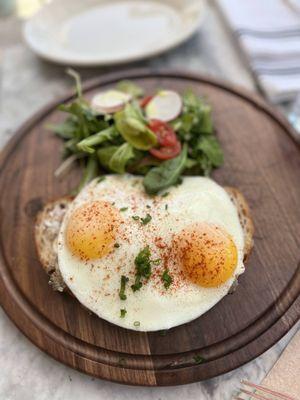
167, 174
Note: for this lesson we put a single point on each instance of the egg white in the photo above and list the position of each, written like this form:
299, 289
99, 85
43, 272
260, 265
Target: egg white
96, 284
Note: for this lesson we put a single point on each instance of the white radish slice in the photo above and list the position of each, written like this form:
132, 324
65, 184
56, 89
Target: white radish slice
165, 106
110, 101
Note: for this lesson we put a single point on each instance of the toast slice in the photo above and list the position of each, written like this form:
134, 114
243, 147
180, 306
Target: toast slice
51, 216
47, 226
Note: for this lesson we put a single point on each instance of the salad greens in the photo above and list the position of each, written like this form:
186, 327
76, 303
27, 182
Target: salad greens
122, 141
167, 174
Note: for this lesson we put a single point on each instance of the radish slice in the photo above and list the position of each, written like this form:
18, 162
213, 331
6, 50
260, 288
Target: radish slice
165, 106
110, 101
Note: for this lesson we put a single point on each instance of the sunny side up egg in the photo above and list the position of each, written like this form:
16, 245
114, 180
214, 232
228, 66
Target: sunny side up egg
192, 236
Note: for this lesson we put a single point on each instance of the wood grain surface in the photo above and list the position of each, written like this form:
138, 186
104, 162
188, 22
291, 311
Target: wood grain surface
261, 159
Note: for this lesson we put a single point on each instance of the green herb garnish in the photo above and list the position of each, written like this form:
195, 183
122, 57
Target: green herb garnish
136, 323
156, 262
123, 312
165, 194
166, 278
142, 268
146, 220
122, 294
198, 359
123, 209
135, 217
166, 206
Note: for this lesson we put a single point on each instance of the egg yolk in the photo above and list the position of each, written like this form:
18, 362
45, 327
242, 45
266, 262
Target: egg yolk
207, 254
91, 230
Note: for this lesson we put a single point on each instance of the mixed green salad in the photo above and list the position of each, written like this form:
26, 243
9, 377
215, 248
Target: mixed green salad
161, 136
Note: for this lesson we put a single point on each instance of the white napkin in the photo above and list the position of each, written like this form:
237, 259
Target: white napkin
269, 33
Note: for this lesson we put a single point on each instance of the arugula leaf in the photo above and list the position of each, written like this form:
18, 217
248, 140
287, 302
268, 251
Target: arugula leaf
143, 268
129, 87
131, 125
105, 154
77, 79
120, 158
65, 130
87, 145
90, 172
211, 148
167, 174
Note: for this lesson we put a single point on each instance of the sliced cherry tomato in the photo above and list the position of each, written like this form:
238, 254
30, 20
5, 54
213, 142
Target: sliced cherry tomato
166, 152
164, 132
145, 100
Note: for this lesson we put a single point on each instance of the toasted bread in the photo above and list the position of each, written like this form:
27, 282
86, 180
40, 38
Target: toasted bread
245, 218
50, 218
47, 226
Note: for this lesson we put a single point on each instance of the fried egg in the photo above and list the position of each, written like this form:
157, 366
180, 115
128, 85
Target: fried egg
192, 236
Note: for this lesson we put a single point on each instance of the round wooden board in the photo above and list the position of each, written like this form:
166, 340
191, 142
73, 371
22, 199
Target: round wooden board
261, 159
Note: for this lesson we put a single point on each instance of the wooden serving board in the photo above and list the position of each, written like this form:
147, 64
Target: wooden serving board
261, 159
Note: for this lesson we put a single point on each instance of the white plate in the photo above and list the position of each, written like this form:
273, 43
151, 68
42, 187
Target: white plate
102, 32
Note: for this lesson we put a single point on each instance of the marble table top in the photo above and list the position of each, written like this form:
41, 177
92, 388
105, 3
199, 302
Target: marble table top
26, 372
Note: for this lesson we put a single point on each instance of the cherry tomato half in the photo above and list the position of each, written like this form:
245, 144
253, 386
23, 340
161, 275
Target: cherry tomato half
164, 132
166, 152
145, 100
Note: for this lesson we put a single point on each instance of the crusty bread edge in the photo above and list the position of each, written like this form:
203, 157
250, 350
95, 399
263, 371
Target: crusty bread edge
245, 218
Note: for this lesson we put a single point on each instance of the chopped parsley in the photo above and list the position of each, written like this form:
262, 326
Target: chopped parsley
166, 278
142, 268
165, 194
116, 245
136, 323
122, 294
123, 209
148, 206
156, 262
146, 219
123, 312
198, 359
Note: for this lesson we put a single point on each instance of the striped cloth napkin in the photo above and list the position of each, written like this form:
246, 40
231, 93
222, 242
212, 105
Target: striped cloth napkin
269, 33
